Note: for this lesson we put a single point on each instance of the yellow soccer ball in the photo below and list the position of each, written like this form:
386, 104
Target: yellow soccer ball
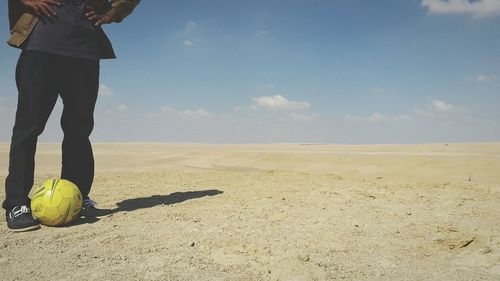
56, 202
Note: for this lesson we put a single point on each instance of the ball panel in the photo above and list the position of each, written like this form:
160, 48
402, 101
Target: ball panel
68, 189
63, 206
51, 216
54, 198
39, 192
37, 208
56, 202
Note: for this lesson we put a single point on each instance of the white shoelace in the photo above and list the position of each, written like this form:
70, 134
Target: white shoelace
22, 210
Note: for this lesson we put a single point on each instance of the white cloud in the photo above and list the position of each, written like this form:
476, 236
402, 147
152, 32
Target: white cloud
188, 113
190, 27
378, 118
105, 90
196, 114
481, 78
167, 109
246, 126
441, 106
280, 102
485, 78
438, 108
423, 113
190, 35
122, 108
118, 110
188, 43
478, 8
302, 117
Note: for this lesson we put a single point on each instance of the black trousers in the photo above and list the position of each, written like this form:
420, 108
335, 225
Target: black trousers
40, 79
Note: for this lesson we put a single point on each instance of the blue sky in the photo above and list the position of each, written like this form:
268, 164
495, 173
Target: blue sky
347, 71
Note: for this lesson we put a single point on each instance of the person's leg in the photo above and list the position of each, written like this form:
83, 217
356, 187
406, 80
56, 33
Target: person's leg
79, 94
37, 87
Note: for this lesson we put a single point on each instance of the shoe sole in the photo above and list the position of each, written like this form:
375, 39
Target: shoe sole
98, 216
96, 213
29, 228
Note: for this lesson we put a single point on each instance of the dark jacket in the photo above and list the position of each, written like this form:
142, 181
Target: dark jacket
22, 21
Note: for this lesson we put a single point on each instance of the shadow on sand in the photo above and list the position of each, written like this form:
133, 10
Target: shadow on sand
155, 200
81, 220
146, 202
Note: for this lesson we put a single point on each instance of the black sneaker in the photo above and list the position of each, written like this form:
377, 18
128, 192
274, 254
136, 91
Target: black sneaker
20, 219
89, 209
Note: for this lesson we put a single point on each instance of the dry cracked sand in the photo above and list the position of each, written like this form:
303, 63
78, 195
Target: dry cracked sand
272, 212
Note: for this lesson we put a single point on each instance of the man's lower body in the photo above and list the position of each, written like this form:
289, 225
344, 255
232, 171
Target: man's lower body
41, 78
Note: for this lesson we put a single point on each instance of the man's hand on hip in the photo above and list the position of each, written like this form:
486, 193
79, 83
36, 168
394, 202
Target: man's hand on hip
42, 7
97, 19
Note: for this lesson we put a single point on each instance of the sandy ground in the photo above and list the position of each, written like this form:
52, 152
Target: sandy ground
272, 212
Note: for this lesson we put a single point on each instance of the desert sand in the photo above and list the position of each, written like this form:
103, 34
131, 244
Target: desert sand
272, 212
